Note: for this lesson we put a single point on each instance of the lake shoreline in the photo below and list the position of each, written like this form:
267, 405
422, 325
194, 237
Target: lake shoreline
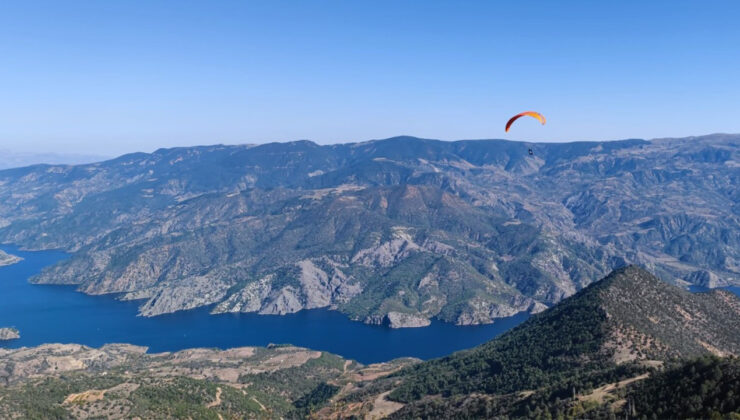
61, 314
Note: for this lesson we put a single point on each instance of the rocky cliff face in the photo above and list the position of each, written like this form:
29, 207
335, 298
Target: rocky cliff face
394, 231
398, 320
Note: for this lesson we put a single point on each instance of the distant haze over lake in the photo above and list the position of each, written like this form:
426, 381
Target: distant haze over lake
11, 159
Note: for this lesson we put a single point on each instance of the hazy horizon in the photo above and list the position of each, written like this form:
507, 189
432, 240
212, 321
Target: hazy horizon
29, 157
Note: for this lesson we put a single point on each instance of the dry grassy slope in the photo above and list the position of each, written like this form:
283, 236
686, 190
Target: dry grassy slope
123, 381
654, 319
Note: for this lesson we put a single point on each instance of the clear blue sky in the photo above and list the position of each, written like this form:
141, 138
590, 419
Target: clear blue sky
117, 76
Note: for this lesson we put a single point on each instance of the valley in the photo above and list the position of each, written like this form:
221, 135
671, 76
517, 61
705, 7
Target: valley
610, 350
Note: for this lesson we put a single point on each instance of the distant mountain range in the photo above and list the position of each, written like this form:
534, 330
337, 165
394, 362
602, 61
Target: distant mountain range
10, 159
628, 346
394, 231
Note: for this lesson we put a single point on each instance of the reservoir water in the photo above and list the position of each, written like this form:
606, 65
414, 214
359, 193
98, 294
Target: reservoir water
59, 314
733, 289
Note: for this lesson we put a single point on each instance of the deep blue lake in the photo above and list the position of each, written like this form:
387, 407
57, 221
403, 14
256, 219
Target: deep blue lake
733, 289
59, 314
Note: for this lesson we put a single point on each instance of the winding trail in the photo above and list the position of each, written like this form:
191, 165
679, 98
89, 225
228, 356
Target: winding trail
260, 404
217, 401
382, 407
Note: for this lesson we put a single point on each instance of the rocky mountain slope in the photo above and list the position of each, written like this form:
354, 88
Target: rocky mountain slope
394, 231
613, 333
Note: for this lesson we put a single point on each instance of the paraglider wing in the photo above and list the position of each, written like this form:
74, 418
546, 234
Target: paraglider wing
532, 114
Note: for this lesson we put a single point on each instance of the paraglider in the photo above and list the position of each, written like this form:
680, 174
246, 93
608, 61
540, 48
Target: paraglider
532, 114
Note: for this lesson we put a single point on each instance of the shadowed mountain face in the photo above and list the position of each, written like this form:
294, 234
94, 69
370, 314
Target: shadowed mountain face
392, 231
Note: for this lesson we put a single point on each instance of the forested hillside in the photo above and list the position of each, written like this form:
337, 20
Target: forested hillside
605, 333
574, 359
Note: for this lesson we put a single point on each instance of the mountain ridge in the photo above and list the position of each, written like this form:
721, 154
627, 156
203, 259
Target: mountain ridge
577, 358
465, 231
627, 318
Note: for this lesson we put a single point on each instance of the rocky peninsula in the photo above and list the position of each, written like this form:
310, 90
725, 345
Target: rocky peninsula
7, 259
9, 334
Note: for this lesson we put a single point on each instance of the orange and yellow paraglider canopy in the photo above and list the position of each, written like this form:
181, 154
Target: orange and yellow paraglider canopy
532, 114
